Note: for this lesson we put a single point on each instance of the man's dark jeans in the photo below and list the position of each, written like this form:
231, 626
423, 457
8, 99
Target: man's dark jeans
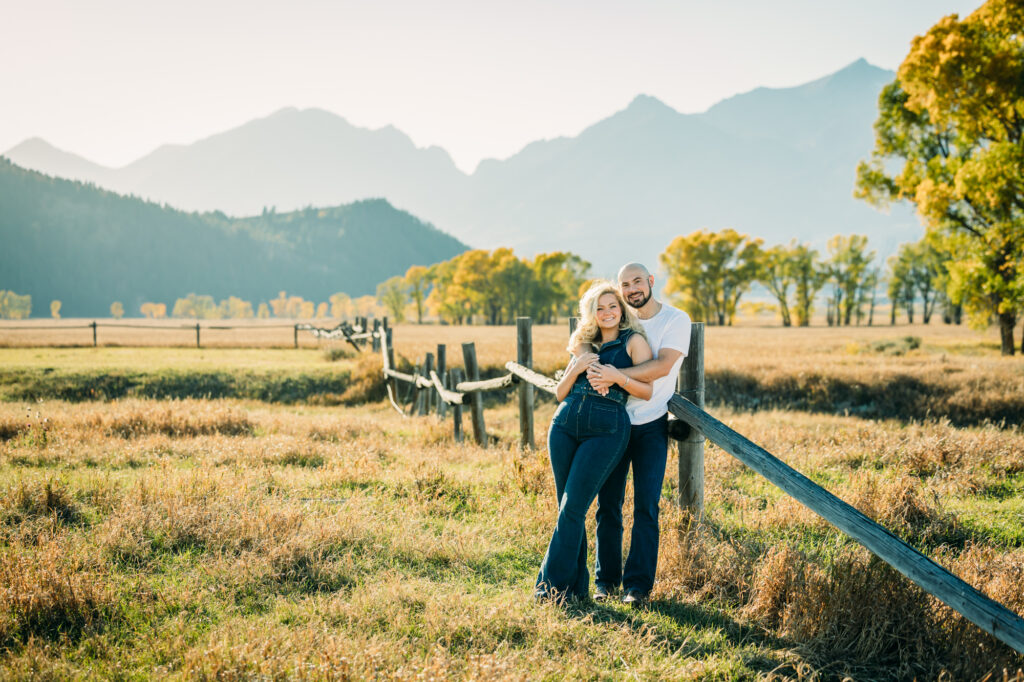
647, 452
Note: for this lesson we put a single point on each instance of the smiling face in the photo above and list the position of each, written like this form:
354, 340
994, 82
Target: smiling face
609, 313
635, 284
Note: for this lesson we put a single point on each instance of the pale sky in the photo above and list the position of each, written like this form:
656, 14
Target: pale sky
113, 79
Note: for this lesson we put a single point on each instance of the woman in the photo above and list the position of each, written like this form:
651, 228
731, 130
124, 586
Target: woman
589, 431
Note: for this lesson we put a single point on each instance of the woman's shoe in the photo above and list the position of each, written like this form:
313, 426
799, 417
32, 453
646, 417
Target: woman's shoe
602, 593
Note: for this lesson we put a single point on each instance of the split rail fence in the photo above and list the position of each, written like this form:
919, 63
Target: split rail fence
433, 386
359, 331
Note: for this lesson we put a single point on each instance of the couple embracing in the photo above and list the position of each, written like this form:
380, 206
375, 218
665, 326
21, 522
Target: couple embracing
614, 394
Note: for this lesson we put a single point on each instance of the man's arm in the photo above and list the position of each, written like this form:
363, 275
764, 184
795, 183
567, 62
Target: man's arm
648, 371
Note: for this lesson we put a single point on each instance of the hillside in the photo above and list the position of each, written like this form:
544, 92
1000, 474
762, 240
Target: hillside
776, 163
88, 247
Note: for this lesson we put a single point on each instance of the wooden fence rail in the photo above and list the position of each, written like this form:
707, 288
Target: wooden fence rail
687, 407
354, 333
987, 614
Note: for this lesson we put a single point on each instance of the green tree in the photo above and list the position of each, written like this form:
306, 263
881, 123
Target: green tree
558, 276
848, 264
954, 117
869, 293
777, 274
55, 309
117, 310
809, 276
708, 272
900, 288
417, 283
917, 273
394, 296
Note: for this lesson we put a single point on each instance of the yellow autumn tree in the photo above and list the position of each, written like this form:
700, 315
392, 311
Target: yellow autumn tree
950, 139
708, 272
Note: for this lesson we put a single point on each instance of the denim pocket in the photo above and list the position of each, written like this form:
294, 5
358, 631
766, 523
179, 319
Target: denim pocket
601, 419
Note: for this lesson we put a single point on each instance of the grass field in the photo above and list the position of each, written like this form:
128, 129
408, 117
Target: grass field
245, 539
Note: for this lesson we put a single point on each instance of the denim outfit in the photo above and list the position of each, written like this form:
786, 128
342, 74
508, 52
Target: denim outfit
588, 435
647, 452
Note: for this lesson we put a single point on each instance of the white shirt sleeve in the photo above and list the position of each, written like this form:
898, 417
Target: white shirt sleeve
677, 333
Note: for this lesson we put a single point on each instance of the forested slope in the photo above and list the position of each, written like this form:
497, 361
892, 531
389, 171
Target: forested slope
87, 247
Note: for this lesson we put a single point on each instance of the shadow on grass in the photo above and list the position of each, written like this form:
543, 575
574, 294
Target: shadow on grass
689, 617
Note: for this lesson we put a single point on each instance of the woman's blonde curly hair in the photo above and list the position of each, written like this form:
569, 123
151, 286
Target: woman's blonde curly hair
587, 332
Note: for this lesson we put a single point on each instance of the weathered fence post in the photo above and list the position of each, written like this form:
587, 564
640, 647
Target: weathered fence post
197, 336
477, 405
296, 335
417, 393
454, 377
573, 323
690, 385
442, 374
376, 336
428, 394
524, 356
391, 359
93, 325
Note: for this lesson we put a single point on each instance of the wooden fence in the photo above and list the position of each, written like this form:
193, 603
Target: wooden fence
359, 331
435, 387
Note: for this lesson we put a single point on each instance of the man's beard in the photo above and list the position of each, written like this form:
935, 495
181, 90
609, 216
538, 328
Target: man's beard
643, 301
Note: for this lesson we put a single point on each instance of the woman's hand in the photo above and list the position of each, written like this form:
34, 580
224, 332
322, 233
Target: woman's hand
606, 373
577, 366
583, 362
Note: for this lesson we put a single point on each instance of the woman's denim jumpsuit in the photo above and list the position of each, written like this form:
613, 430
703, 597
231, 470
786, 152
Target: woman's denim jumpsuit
588, 436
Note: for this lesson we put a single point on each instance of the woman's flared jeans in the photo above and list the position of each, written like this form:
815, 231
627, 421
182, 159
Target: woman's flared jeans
587, 438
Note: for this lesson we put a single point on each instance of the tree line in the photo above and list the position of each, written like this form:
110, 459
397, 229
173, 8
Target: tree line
493, 287
709, 272
203, 307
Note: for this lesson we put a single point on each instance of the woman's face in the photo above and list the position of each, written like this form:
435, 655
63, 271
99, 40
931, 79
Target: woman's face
608, 311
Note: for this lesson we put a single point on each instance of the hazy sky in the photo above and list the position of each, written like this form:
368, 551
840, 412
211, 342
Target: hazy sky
113, 79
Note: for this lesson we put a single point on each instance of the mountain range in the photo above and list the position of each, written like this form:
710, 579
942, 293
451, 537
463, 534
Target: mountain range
87, 247
774, 163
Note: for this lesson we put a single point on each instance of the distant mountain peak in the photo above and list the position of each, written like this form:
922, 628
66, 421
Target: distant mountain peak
859, 70
648, 104
36, 153
32, 144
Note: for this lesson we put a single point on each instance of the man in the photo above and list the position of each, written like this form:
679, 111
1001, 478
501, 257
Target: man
668, 331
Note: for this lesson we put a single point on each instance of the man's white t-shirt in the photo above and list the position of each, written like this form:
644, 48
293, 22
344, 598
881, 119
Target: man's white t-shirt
670, 328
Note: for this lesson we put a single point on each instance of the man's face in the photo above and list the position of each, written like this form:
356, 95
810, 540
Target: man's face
635, 286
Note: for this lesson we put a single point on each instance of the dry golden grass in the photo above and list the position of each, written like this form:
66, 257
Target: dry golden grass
222, 539
226, 540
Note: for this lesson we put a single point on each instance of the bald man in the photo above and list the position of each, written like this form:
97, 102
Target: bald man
668, 331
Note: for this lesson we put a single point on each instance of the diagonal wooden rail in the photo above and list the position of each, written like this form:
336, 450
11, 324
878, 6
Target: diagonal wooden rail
989, 615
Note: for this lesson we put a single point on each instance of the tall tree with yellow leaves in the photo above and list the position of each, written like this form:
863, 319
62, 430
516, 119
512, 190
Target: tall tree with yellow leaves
708, 272
954, 118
